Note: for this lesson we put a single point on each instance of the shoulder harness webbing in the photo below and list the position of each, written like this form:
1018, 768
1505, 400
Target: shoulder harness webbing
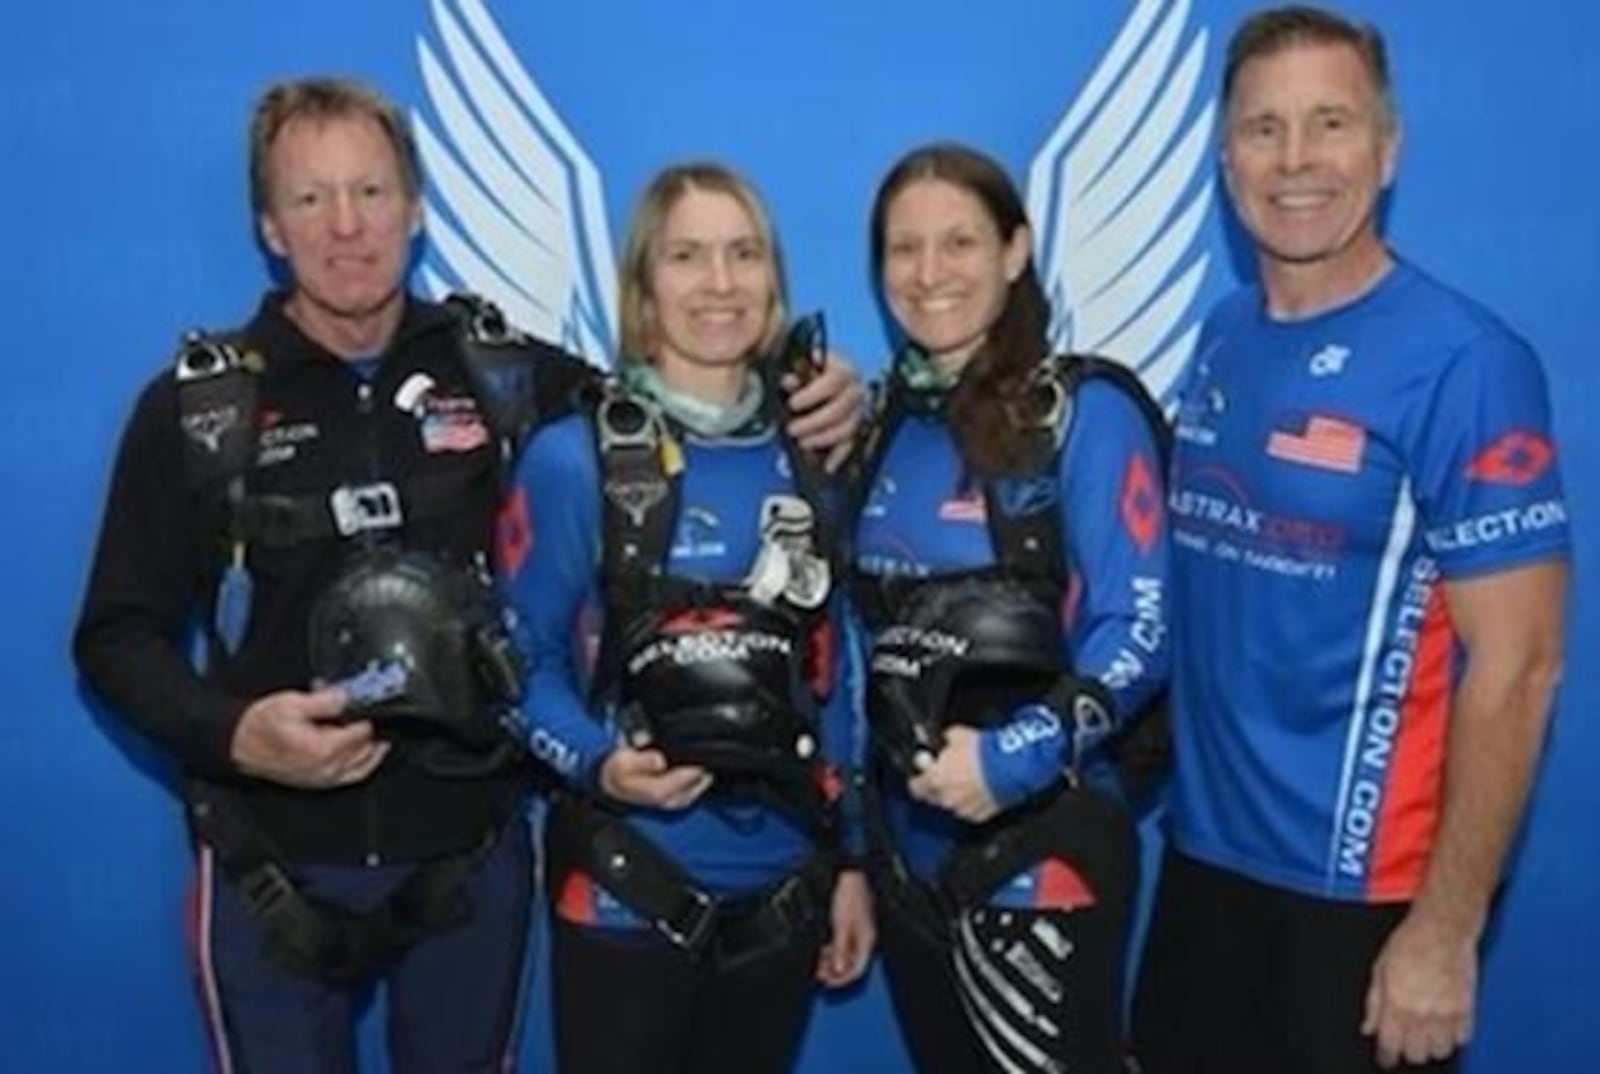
218, 383
641, 463
1029, 545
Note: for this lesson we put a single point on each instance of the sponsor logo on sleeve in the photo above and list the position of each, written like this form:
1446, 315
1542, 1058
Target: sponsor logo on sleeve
513, 532
1140, 503
1497, 526
1517, 458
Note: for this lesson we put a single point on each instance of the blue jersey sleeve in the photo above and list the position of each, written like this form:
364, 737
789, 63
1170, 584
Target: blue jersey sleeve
843, 724
549, 548
1114, 524
1483, 461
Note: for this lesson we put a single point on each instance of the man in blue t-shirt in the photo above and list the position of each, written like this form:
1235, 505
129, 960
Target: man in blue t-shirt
1369, 546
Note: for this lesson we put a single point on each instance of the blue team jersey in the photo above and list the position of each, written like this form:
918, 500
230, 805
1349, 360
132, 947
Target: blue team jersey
1330, 473
922, 517
550, 547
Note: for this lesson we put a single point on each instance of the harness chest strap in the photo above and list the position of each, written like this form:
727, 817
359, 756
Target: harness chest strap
1027, 544
218, 377
641, 465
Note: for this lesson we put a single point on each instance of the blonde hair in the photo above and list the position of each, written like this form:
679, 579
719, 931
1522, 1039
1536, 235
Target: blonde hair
636, 321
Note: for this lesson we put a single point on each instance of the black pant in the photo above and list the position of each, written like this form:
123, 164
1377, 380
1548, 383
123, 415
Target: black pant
1250, 979
629, 1002
951, 998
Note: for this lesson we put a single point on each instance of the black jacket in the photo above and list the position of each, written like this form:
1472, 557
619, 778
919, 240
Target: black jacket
162, 547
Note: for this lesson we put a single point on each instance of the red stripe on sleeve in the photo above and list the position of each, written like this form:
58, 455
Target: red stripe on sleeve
1411, 798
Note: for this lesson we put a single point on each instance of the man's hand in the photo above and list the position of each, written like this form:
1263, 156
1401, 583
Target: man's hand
643, 778
844, 957
827, 410
1420, 1002
290, 737
954, 781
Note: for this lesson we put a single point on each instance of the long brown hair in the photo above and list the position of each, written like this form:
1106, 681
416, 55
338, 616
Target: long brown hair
993, 411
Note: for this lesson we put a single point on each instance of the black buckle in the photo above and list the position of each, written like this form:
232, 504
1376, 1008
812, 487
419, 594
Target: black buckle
792, 901
772, 921
695, 934
631, 435
265, 888
485, 322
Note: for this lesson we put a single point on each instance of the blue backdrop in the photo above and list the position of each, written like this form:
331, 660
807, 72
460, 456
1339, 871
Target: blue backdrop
124, 198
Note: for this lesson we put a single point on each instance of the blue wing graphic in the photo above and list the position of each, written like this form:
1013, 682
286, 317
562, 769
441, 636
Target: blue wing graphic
1117, 196
514, 206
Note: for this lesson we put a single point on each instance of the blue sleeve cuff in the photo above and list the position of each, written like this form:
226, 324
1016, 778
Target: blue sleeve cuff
852, 823
1021, 757
577, 757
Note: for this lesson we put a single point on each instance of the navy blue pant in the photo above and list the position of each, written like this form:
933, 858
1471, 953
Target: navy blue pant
453, 997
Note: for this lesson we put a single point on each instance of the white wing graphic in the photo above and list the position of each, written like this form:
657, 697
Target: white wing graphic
515, 209
1117, 197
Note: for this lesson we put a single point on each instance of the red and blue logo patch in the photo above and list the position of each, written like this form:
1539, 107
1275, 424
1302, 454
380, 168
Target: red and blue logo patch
1519, 457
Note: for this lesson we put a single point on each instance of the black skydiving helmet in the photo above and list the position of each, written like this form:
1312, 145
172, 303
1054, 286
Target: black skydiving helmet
423, 646
966, 651
723, 686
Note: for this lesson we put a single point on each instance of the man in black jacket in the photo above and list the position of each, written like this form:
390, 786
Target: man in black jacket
333, 849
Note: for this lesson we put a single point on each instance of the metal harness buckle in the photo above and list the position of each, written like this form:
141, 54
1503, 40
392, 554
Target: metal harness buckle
359, 508
203, 356
624, 422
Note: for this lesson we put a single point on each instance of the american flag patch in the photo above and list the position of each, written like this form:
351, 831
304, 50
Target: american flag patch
1326, 443
453, 432
964, 507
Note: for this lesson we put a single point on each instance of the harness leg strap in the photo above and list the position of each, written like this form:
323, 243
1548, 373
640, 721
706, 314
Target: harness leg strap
649, 882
